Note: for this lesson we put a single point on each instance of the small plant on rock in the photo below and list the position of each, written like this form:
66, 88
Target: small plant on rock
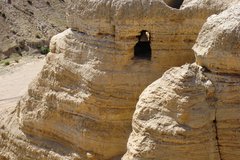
45, 50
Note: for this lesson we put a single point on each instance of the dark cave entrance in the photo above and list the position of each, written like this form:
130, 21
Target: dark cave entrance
143, 49
174, 3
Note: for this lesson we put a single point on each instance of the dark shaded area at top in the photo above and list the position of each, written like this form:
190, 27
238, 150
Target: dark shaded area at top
142, 49
174, 3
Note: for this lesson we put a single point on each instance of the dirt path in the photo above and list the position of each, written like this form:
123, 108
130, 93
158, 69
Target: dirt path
14, 80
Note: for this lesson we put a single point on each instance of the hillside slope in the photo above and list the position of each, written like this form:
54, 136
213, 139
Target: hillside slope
29, 24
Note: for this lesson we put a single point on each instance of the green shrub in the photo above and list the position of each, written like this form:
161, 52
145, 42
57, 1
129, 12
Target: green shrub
45, 50
7, 63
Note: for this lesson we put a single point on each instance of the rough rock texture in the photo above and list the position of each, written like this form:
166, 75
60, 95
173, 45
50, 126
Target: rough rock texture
173, 119
173, 32
25, 24
192, 112
84, 97
217, 47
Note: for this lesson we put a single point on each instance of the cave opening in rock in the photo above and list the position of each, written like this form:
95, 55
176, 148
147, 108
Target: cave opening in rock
174, 3
143, 49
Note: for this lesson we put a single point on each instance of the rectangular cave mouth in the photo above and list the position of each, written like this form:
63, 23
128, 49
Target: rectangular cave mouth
142, 50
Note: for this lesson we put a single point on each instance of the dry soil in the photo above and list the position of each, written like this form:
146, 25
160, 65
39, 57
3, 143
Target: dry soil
15, 78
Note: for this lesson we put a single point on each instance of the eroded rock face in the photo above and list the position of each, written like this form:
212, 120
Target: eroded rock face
85, 95
173, 119
217, 47
192, 112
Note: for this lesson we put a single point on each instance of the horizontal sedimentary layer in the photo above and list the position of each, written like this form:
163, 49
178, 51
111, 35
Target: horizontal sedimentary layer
173, 115
111, 17
87, 91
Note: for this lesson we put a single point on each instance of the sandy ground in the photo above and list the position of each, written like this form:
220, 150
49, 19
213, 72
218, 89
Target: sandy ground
14, 80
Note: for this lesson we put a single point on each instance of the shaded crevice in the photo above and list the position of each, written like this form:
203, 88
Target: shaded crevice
174, 3
218, 145
142, 49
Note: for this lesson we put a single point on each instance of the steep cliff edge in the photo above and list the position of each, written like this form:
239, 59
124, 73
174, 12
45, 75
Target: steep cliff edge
192, 111
81, 103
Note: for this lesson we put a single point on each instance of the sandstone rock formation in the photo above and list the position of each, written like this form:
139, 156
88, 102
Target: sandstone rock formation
84, 97
192, 111
220, 36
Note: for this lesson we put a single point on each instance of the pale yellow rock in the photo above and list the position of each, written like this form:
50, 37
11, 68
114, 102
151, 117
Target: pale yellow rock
173, 119
85, 95
217, 47
192, 112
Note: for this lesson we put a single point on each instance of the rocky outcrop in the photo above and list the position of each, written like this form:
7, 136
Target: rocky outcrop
85, 95
216, 36
173, 119
192, 111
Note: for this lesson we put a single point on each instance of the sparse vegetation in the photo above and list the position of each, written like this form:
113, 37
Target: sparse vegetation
45, 50
6, 63
38, 46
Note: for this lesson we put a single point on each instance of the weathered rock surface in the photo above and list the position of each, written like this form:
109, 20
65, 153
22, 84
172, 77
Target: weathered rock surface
192, 112
172, 31
217, 47
84, 97
173, 119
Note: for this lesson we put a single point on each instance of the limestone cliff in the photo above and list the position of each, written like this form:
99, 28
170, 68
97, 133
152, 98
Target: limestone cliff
192, 111
85, 95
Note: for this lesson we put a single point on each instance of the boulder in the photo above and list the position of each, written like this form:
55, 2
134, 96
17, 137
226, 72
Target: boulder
217, 47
